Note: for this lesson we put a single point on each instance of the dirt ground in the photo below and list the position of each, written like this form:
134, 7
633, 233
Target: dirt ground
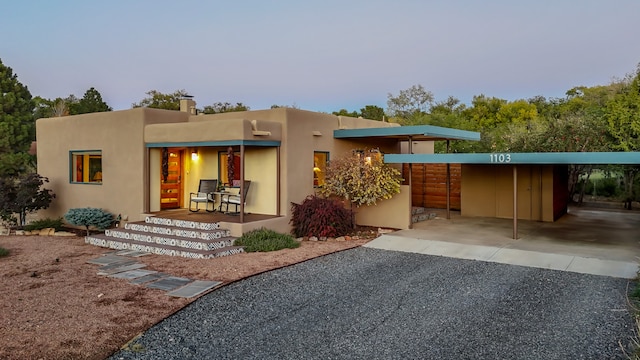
55, 306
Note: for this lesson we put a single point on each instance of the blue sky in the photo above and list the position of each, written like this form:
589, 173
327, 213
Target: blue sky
317, 55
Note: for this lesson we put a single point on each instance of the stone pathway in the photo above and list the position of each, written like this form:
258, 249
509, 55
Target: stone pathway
122, 265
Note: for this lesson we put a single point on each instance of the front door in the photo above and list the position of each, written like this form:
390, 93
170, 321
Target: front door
171, 176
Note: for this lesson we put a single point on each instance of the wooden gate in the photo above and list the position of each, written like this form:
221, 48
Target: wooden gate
429, 185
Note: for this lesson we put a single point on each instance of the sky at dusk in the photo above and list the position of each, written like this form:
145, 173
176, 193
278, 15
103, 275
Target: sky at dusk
317, 55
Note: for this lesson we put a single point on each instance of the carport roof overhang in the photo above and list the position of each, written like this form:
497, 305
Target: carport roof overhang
517, 158
416, 133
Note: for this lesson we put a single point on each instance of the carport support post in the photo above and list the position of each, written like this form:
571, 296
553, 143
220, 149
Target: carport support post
242, 184
410, 150
515, 202
448, 186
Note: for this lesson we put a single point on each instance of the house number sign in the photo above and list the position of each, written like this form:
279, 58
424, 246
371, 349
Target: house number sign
500, 158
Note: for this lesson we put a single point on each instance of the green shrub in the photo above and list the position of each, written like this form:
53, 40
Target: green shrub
45, 223
23, 195
3, 252
89, 217
320, 217
361, 177
262, 240
605, 187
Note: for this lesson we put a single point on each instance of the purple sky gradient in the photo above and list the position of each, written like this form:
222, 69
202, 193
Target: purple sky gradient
317, 55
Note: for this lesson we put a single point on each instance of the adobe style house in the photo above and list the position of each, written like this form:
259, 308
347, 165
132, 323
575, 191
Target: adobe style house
142, 161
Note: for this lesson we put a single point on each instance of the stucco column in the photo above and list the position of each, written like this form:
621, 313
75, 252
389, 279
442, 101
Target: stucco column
515, 202
448, 186
410, 189
242, 183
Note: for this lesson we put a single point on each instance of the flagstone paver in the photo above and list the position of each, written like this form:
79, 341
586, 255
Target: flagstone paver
195, 288
132, 253
120, 265
149, 278
169, 283
107, 259
132, 274
120, 269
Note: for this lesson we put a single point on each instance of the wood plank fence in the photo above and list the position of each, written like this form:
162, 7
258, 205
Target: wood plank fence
428, 185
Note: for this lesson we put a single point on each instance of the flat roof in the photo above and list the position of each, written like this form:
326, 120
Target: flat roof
517, 158
417, 132
267, 143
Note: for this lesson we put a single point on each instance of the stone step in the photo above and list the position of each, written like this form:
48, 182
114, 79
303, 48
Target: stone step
415, 210
144, 227
187, 224
104, 240
423, 217
171, 240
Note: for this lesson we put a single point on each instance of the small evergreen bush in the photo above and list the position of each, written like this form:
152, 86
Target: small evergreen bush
56, 224
4, 252
320, 217
88, 217
262, 240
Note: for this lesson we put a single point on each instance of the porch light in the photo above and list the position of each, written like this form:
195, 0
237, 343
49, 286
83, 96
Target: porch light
194, 154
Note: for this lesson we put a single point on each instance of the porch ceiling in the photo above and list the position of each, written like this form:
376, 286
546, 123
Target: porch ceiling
221, 132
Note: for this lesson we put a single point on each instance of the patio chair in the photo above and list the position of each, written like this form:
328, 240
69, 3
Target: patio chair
204, 195
233, 199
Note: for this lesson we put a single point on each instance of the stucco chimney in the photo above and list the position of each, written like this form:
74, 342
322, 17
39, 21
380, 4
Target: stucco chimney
188, 105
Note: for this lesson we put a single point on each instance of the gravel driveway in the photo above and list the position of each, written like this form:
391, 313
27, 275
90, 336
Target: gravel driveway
376, 304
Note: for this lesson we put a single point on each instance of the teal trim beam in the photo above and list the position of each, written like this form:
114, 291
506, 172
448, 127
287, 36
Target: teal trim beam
214, 143
417, 131
517, 158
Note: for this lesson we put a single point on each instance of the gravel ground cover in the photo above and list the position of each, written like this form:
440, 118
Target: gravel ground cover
376, 304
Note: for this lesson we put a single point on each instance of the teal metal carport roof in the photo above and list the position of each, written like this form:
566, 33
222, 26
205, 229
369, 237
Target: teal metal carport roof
417, 133
517, 158
549, 158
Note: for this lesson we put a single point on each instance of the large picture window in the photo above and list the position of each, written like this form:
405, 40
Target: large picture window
320, 160
86, 166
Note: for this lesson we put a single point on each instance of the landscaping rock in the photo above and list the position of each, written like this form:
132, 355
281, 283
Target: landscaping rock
45, 231
63, 233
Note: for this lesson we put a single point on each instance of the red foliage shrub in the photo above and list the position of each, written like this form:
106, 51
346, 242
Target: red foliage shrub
320, 217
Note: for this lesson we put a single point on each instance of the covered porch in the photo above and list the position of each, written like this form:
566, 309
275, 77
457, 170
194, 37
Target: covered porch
231, 152
231, 222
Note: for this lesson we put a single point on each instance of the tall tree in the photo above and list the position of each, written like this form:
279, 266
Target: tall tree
623, 120
91, 102
372, 112
345, 112
623, 115
224, 107
410, 104
17, 128
158, 100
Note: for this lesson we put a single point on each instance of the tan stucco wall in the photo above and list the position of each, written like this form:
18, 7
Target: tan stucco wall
131, 184
392, 213
487, 191
119, 135
298, 135
212, 130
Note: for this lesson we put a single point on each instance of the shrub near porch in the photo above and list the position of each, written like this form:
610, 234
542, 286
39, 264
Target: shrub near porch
321, 218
